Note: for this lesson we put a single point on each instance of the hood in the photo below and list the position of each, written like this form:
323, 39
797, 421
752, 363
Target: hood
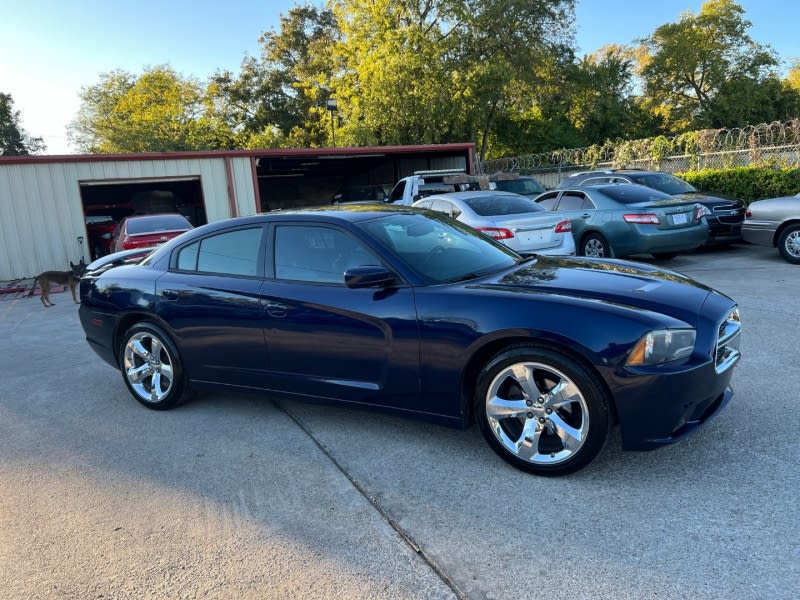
617, 281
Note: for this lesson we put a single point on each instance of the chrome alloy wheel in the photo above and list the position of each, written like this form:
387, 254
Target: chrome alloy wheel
792, 244
148, 367
537, 413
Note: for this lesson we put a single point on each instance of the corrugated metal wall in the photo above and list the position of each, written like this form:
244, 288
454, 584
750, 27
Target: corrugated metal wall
41, 214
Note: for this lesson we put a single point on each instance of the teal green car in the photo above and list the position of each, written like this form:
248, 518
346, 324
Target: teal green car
622, 219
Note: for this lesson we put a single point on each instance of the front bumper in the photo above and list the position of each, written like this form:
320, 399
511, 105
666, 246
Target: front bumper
656, 408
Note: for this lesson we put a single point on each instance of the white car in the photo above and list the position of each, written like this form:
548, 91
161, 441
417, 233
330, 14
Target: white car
512, 219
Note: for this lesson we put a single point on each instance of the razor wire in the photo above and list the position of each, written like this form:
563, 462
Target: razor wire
777, 142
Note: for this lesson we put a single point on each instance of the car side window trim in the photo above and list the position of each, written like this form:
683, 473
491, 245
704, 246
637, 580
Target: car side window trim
260, 261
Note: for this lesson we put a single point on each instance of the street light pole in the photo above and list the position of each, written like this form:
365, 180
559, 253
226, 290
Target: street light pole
331, 105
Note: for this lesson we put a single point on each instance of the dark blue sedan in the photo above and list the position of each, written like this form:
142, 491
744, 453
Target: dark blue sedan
415, 313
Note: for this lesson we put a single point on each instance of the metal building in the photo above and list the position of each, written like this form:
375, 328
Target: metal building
46, 202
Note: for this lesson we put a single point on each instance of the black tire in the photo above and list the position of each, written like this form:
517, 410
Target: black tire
664, 255
596, 246
151, 367
789, 244
538, 431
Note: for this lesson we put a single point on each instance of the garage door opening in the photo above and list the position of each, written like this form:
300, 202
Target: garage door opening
106, 203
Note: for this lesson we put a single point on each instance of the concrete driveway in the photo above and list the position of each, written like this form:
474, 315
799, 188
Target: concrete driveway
242, 497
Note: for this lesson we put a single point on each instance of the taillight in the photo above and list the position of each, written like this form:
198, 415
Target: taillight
564, 227
127, 244
498, 233
748, 214
643, 218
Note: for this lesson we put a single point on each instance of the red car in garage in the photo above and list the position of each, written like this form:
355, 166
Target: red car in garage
146, 231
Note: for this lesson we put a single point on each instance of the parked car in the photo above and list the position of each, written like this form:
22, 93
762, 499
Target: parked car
621, 219
356, 194
775, 222
524, 185
145, 231
514, 220
724, 217
417, 314
101, 222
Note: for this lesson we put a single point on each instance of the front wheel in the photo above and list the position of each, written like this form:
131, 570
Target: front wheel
596, 246
789, 244
151, 367
541, 411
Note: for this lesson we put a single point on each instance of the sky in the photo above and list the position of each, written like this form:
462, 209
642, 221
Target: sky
50, 49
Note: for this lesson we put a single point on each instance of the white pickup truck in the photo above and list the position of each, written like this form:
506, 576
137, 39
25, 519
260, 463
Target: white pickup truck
427, 183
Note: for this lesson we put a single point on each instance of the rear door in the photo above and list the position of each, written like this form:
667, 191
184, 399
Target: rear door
211, 300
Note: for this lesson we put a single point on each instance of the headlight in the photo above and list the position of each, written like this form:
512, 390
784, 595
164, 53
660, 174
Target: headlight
662, 346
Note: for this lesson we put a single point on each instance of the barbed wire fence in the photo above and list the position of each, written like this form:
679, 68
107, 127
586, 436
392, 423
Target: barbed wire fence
768, 144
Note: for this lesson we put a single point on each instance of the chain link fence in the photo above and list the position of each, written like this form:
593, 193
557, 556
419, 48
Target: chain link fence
775, 143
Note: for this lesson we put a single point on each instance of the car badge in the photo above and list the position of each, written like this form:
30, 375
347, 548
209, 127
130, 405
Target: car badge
163, 238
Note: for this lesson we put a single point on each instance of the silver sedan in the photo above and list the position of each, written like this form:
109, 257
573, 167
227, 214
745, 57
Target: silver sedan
775, 222
512, 219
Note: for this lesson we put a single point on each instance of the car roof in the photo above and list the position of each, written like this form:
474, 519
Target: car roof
473, 194
601, 187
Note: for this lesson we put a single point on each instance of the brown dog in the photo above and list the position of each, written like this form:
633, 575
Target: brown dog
69, 278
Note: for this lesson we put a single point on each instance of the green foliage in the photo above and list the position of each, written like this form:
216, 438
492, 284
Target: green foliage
14, 140
279, 99
747, 183
158, 111
706, 71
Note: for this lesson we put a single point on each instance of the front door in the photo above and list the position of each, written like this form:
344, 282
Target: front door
330, 341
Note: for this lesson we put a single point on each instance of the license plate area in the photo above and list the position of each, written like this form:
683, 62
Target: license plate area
680, 219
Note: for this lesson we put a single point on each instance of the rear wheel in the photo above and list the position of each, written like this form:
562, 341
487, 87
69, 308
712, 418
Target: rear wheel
541, 411
789, 244
596, 246
151, 367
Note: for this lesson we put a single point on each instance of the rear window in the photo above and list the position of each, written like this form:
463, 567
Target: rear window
155, 223
664, 182
520, 186
632, 194
490, 206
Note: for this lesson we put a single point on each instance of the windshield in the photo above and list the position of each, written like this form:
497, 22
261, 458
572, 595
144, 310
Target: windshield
490, 206
438, 248
664, 182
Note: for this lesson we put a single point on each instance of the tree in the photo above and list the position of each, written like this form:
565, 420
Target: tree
440, 70
688, 67
279, 99
157, 111
14, 140
793, 77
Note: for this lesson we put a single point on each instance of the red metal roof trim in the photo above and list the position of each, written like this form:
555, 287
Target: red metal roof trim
272, 153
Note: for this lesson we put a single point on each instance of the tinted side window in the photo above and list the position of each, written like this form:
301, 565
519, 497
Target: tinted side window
317, 254
571, 202
548, 201
229, 253
448, 208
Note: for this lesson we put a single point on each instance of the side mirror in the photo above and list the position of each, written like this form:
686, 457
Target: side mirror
368, 276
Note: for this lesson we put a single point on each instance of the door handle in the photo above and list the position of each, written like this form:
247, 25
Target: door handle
275, 309
170, 294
